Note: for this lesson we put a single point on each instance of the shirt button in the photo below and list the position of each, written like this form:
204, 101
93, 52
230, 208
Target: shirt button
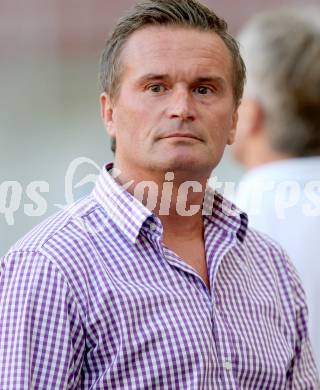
153, 226
227, 365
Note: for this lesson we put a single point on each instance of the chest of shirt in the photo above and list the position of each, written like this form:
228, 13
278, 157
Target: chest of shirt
147, 306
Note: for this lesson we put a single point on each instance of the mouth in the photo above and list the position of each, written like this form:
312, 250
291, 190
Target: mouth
182, 136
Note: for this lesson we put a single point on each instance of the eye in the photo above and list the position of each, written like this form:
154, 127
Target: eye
156, 88
203, 90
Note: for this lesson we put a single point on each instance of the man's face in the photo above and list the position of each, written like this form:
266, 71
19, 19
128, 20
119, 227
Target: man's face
175, 109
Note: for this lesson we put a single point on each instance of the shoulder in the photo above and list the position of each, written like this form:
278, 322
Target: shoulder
260, 241
59, 247
266, 249
64, 220
274, 261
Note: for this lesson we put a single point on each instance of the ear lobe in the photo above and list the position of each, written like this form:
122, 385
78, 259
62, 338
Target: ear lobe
259, 118
231, 136
251, 117
232, 131
106, 111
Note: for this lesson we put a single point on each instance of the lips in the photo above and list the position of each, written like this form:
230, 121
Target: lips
181, 135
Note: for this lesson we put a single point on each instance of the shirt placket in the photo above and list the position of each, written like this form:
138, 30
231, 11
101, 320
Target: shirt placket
224, 344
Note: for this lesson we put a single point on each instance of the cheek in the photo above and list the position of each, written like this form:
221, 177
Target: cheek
139, 121
221, 126
132, 125
126, 120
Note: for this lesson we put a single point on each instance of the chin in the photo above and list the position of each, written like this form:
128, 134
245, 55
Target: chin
186, 163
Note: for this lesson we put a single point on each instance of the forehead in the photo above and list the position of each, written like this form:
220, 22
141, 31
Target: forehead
177, 51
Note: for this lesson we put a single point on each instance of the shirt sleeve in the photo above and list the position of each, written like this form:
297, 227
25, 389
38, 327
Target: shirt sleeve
303, 373
41, 334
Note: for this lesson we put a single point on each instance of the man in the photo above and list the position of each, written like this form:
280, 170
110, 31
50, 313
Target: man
278, 140
113, 294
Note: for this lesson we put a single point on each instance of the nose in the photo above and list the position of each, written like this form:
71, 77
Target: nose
181, 105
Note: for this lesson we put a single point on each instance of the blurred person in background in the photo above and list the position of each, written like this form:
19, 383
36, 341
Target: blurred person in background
278, 140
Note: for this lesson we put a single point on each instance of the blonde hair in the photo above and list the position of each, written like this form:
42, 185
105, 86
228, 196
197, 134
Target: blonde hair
281, 50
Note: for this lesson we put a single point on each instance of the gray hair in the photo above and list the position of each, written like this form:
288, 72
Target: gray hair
184, 13
281, 50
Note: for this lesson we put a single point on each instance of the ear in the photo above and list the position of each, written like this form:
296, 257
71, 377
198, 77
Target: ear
251, 117
232, 131
106, 110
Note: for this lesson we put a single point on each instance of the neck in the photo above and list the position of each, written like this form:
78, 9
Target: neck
261, 153
176, 197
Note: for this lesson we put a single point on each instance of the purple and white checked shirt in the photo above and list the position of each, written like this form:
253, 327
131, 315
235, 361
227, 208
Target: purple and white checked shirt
92, 299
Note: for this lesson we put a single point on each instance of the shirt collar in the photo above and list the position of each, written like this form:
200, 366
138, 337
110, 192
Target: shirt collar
122, 208
129, 214
225, 214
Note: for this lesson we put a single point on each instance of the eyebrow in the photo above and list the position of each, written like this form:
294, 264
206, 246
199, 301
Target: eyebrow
202, 79
152, 76
210, 79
